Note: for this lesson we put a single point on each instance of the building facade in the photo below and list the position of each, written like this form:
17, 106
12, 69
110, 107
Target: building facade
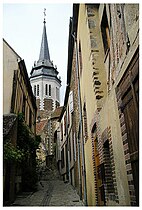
17, 93
67, 141
105, 43
71, 147
17, 98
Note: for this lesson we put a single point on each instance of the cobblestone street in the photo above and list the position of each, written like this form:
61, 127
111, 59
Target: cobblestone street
51, 191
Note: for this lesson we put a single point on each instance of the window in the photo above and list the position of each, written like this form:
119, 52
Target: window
65, 121
90, 10
68, 117
57, 93
85, 122
46, 89
93, 41
108, 168
61, 131
49, 90
62, 158
91, 23
105, 31
55, 137
74, 141
80, 58
24, 105
69, 147
37, 90
30, 118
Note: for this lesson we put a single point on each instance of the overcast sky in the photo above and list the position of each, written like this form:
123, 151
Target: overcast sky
23, 26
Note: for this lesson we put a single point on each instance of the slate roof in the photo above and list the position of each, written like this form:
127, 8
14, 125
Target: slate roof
44, 50
44, 66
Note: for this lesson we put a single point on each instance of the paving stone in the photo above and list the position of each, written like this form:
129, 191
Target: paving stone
51, 191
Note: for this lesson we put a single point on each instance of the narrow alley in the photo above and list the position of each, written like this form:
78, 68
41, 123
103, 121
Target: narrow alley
71, 119
51, 191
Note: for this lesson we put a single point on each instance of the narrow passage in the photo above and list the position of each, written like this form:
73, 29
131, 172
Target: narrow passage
51, 191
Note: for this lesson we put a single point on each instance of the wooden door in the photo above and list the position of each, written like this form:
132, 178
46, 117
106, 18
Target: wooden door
131, 121
129, 88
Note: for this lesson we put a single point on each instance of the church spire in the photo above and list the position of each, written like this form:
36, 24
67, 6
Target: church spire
44, 50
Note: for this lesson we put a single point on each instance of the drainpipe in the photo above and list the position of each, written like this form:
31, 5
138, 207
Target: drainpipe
68, 147
80, 121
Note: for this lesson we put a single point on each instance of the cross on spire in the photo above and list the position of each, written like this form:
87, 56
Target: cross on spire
44, 12
44, 50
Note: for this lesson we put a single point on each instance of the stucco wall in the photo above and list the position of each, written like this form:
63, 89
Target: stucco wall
92, 60
109, 116
9, 65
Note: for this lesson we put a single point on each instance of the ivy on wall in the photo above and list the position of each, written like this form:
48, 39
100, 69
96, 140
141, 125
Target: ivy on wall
24, 154
12, 153
28, 143
26, 140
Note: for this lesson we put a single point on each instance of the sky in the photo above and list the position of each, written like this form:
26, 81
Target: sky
23, 26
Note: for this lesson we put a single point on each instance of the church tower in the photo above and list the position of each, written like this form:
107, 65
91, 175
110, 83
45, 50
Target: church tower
45, 81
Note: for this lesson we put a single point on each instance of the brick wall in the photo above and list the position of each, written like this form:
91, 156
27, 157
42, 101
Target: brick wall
126, 149
75, 123
109, 165
48, 104
118, 38
38, 103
